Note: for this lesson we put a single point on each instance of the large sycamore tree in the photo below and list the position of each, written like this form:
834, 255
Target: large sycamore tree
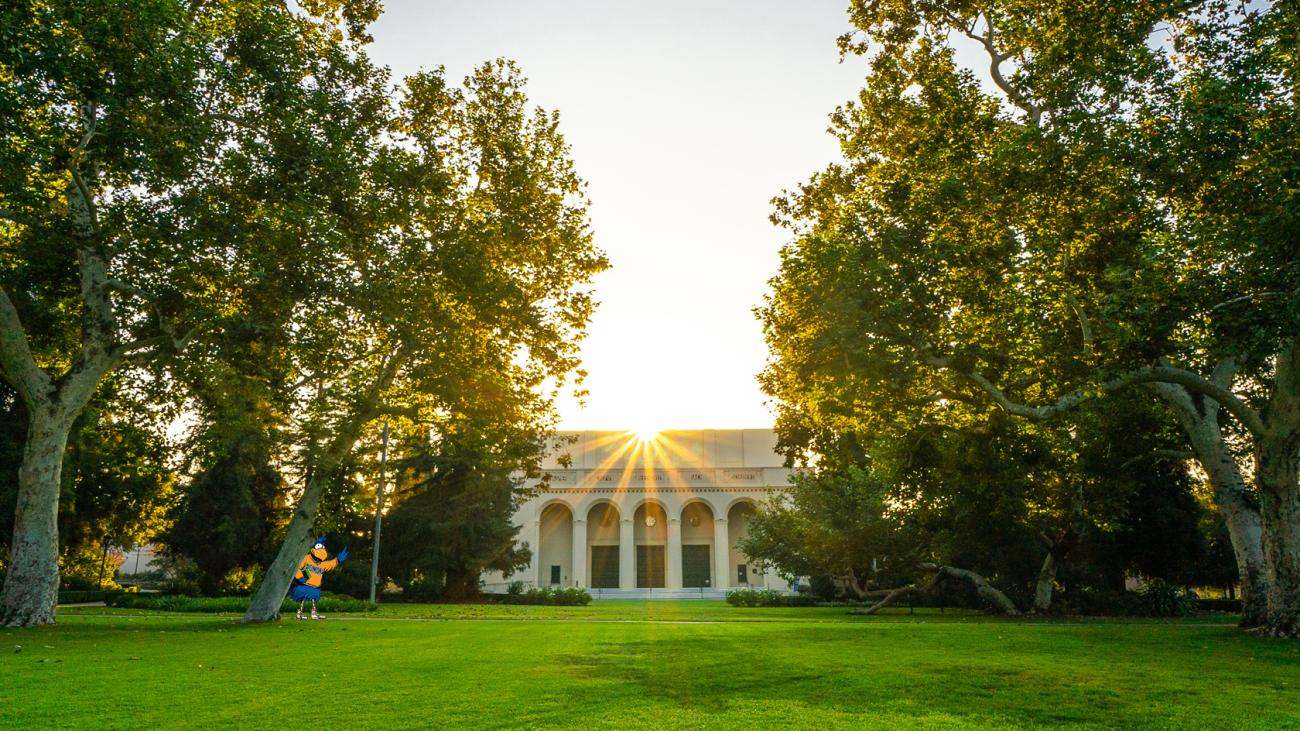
118, 127
201, 179
465, 288
1109, 204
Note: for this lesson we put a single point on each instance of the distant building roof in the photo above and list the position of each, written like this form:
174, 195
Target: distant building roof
697, 448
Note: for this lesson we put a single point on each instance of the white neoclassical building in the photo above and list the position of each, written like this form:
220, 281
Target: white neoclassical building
649, 516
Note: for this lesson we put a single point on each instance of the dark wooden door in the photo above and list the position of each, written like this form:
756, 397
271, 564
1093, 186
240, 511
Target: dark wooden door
604, 567
695, 566
650, 567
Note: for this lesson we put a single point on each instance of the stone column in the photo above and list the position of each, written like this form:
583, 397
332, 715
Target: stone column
721, 553
673, 555
626, 555
535, 544
578, 564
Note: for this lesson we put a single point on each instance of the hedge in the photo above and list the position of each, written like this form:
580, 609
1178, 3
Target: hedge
229, 604
768, 598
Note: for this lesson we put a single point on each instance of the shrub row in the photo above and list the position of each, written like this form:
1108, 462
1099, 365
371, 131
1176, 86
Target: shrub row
554, 596
768, 598
82, 596
1219, 605
228, 604
1158, 599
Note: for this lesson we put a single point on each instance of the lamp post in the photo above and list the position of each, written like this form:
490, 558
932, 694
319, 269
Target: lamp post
379, 515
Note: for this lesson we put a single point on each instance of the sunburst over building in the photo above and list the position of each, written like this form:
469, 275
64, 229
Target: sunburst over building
640, 514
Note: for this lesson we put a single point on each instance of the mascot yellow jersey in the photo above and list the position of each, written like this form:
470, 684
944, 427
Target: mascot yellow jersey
311, 569
306, 581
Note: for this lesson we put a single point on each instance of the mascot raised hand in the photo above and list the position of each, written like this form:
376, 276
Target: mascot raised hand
306, 583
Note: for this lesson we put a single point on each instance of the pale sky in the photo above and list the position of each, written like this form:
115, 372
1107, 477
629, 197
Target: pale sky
685, 118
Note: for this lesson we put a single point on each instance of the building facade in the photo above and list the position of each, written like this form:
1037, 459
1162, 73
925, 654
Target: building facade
648, 516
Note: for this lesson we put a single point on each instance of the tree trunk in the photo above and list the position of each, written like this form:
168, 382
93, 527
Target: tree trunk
32, 585
461, 585
1280, 502
1277, 474
1235, 503
265, 605
1046, 580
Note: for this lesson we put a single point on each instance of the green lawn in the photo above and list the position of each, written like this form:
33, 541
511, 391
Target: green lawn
650, 665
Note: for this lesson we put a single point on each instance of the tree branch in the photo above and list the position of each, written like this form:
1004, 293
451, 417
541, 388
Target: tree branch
1153, 374
989, 42
1085, 326
16, 359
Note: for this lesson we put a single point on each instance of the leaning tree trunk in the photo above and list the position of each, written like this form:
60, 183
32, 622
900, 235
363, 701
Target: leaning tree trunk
265, 605
32, 584
1240, 513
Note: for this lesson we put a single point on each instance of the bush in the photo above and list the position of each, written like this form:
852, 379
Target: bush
756, 598
1219, 605
560, 597
802, 600
823, 587
1162, 599
229, 604
80, 596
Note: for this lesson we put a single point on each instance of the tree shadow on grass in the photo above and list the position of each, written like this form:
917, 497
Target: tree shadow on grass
979, 679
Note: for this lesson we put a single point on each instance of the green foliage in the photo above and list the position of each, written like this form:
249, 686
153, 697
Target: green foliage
836, 523
227, 518
1117, 202
456, 498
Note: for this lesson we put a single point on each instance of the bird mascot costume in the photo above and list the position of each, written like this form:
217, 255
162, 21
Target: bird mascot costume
306, 583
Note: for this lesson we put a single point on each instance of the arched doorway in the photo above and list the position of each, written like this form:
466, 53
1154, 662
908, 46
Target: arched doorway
602, 546
743, 572
555, 550
697, 546
650, 536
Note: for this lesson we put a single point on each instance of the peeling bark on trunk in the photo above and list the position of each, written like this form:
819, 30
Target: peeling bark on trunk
1234, 500
1277, 474
1280, 498
32, 585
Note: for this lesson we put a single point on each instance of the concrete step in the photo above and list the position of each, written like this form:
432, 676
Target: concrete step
667, 594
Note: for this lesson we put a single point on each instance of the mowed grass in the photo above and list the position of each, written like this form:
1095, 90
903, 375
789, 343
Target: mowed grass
646, 665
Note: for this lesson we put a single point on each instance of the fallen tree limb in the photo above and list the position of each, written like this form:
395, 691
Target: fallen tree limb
986, 591
983, 588
891, 596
